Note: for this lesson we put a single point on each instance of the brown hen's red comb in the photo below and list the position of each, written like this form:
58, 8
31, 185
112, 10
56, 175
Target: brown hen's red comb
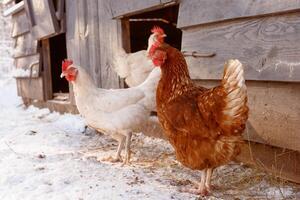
157, 29
66, 63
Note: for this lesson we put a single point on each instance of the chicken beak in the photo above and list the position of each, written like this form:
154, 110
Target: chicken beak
164, 35
62, 75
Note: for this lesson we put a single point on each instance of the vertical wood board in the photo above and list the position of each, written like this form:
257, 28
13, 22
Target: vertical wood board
43, 19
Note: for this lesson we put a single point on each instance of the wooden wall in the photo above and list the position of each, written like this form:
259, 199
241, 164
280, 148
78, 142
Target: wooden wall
245, 30
274, 116
26, 56
92, 35
263, 35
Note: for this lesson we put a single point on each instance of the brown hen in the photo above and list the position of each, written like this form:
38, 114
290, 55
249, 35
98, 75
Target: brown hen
203, 125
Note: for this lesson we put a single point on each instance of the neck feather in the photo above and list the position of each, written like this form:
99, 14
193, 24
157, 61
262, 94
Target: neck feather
175, 78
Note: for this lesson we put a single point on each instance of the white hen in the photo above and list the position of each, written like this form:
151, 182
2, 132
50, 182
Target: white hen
118, 112
135, 67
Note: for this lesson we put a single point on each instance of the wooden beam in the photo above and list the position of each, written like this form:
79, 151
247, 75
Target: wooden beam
196, 12
94, 41
108, 38
131, 7
266, 46
31, 88
280, 162
47, 76
14, 9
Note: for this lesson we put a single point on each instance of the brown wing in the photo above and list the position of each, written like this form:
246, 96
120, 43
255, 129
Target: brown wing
227, 104
184, 116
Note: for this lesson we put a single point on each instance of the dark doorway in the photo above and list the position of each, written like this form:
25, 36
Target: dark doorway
58, 52
141, 25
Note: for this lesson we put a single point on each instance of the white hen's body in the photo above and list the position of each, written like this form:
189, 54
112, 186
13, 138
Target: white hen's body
114, 110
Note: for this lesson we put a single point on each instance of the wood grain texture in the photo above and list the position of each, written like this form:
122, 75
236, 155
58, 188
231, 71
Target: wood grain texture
47, 76
43, 18
109, 41
131, 6
93, 41
274, 116
27, 62
196, 12
21, 23
25, 45
282, 163
72, 38
83, 32
266, 46
30, 88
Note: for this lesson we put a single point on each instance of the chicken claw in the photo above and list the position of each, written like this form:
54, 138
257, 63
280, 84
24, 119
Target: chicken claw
113, 159
204, 186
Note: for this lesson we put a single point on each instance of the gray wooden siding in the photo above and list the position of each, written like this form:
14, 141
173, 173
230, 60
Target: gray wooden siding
25, 56
92, 36
267, 46
195, 12
42, 18
130, 7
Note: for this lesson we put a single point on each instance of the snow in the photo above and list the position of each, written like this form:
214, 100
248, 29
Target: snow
22, 72
47, 155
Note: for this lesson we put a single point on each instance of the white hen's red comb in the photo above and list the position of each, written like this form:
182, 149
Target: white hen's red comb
157, 29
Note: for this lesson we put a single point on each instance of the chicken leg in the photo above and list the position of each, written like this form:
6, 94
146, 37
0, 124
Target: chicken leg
127, 148
121, 139
202, 190
208, 179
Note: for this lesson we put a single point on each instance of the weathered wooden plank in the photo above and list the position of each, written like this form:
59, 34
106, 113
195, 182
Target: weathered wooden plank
25, 63
274, 113
25, 45
282, 163
72, 38
30, 88
47, 75
83, 33
43, 19
93, 41
14, 9
266, 46
130, 7
21, 23
109, 41
195, 12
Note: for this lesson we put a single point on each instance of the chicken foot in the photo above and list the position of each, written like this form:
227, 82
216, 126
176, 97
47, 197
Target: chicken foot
121, 139
204, 187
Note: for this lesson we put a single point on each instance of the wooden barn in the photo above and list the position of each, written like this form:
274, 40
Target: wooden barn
263, 34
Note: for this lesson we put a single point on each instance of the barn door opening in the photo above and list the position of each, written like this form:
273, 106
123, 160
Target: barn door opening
141, 24
58, 52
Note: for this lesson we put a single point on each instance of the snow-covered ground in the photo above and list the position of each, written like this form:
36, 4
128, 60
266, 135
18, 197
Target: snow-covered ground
46, 155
